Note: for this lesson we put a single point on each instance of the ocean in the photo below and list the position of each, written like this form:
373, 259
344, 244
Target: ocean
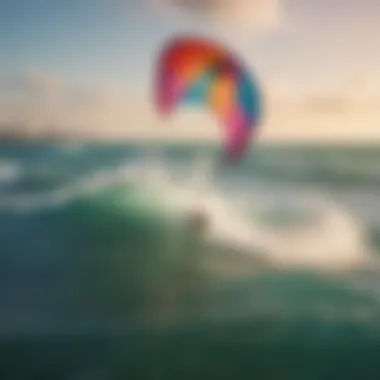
105, 276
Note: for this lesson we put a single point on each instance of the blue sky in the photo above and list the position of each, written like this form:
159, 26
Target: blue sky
80, 40
87, 40
315, 46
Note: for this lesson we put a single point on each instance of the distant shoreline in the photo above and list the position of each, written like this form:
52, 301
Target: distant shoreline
188, 142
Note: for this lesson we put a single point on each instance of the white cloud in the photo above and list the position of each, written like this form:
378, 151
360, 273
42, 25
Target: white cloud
32, 83
41, 104
241, 14
44, 105
346, 114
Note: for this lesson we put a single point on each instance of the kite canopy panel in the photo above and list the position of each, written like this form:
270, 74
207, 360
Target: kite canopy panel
198, 72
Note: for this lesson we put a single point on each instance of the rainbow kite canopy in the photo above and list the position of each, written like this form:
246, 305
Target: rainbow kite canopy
195, 71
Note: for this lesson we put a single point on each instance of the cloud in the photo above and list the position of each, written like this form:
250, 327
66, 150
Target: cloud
246, 14
36, 103
349, 113
32, 83
357, 94
32, 99
47, 106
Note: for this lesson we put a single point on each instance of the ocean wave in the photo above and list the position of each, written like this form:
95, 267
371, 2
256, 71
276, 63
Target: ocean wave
338, 167
315, 233
9, 171
116, 249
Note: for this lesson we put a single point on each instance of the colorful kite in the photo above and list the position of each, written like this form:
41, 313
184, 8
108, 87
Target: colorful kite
195, 71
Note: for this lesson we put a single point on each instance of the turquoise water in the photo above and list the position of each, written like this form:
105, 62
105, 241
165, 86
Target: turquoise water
102, 279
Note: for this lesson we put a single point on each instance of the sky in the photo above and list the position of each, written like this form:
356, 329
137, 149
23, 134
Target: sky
85, 67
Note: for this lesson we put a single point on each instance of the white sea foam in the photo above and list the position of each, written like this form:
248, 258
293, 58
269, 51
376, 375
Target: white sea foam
325, 237
318, 233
